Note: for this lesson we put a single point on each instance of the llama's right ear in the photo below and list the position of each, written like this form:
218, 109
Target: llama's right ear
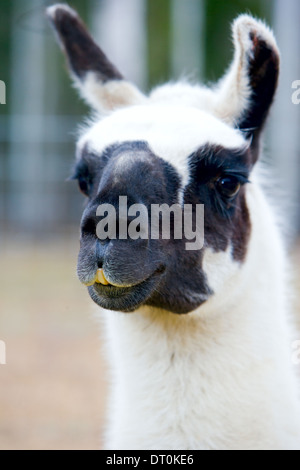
245, 94
97, 79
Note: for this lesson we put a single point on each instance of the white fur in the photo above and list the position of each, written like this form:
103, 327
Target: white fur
106, 97
51, 11
172, 132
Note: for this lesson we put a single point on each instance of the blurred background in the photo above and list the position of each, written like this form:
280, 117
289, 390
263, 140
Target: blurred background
53, 388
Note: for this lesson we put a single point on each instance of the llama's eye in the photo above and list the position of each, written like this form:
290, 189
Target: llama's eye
228, 186
83, 186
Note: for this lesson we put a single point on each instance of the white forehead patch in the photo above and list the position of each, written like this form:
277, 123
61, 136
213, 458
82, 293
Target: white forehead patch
172, 133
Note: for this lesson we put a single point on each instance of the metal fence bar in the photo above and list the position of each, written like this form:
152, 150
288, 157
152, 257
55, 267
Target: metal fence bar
119, 26
285, 123
187, 38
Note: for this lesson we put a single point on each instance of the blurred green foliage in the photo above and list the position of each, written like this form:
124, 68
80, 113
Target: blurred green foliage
218, 17
159, 41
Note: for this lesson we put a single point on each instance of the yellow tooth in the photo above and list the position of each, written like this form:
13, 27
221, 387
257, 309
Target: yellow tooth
100, 278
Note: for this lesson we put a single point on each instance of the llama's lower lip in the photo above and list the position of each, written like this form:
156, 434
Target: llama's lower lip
124, 299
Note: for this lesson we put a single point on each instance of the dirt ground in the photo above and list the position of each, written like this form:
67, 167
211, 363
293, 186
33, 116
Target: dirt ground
53, 388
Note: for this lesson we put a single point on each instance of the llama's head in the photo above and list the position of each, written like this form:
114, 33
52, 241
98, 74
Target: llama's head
181, 145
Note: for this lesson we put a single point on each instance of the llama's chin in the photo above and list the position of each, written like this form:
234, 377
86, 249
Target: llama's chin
123, 299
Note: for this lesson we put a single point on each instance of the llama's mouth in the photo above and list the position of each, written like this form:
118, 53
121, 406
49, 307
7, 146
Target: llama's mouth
125, 299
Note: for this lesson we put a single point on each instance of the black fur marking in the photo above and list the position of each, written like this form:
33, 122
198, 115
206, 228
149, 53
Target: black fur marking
263, 79
89, 167
162, 272
83, 54
226, 220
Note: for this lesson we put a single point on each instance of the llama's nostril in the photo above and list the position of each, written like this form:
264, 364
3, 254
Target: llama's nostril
100, 249
161, 269
88, 226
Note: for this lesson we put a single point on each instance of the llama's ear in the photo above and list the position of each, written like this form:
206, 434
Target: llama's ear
246, 92
98, 80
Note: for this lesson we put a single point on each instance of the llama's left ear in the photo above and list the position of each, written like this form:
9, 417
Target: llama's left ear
98, 80
245, 94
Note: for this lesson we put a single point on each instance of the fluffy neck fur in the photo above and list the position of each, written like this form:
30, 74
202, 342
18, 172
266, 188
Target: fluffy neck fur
212, 379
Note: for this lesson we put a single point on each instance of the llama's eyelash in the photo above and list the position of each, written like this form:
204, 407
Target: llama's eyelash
241, 176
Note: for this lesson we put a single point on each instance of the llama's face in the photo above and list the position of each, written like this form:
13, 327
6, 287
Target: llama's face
161, 155
163, 150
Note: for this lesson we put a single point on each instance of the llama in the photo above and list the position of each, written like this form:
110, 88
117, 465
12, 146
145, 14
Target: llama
199, 341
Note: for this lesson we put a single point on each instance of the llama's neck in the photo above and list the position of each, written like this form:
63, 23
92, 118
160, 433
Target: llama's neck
210, 379
193, 383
